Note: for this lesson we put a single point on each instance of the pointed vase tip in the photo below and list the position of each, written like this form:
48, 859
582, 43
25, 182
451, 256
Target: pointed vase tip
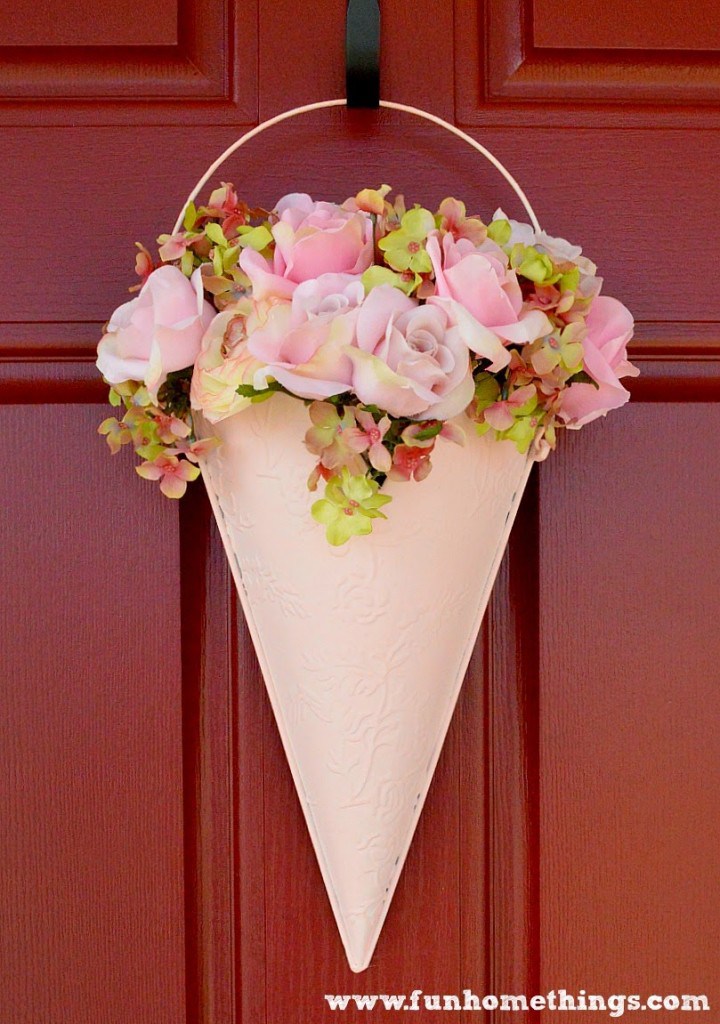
358, 954
358, 966
364, 648
359, 941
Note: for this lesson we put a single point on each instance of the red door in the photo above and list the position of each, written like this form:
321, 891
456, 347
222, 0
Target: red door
155, 866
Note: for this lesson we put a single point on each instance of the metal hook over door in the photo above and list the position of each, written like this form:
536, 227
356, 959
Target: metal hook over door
362, 53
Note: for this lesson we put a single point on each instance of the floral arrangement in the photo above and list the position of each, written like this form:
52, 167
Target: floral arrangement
389, 322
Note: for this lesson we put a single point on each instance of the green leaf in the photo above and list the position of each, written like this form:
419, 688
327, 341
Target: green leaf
254, 238
428, 432
230, 257
582, 378
339, 400
487, 391
248, 391
190, 216
114, 398
215, 233
186, 263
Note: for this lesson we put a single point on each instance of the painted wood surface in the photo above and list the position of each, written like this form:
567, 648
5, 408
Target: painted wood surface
155, 866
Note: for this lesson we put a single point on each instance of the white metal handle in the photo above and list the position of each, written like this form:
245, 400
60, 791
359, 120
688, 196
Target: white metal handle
415, 111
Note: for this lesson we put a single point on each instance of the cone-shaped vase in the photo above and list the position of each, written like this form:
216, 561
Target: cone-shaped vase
363, 647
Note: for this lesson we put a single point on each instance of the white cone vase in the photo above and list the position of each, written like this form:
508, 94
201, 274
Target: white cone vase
363, 648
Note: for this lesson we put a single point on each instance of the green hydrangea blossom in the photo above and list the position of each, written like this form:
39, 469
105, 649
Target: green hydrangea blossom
563, 349
534, 265
499, 231
349, 506
405, 248
376, 275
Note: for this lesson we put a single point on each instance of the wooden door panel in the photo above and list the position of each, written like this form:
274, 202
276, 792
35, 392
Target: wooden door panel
629, 758
166, 63
90, 756
571, 65
82, 23
620, 235
613, 25
158, 867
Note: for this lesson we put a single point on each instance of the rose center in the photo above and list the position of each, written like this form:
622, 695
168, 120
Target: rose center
423, 341
332, 305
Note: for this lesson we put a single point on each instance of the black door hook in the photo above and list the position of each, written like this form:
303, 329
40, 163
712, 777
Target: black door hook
362, 53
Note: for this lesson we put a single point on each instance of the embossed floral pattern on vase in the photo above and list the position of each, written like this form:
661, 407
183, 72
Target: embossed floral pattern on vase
363, 647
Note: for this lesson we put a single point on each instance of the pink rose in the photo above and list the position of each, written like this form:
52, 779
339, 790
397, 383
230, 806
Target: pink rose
320, 238
157, 332
303, 343
223, 363
480, 281
266, 284
609, 329
410, 360
311, 239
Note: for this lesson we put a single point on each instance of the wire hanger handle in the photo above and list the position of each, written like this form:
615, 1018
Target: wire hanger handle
388, 104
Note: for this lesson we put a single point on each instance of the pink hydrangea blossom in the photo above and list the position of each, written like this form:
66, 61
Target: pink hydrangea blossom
144, 265
194, 450
371, 438
500, 414
172, 472
224, 199
174, 247
116, 433
169, 428
411, 459
453, 218
335, 438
